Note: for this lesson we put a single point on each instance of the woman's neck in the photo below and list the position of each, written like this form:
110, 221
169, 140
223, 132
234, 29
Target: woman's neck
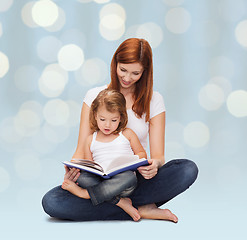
127, 91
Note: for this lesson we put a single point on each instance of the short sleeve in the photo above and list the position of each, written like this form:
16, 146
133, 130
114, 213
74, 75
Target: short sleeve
157, 104
92, 94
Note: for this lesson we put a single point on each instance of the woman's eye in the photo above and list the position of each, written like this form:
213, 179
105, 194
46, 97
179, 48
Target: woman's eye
123, 70
101, 119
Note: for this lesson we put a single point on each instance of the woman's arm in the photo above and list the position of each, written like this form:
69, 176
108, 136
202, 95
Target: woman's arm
88, 153
84, 132
135, 143
157, 146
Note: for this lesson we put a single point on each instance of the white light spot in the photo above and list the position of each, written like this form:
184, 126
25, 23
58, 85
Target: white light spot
93, 71
48, 48
33, 106
85, 1
26, 78
151, 32
56, 112
112, 21
70, 57
4, 180
5, 5
60, 22
237, 103
221, 66
196, 134
223, 83
4, 66
173, 3
45, 13
207, 33
178, 20
241, 33
53, 80
211, 97
27, 166
26, 15
27, 123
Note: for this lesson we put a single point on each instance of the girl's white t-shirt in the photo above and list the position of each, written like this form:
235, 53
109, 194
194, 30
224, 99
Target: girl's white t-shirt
138, 125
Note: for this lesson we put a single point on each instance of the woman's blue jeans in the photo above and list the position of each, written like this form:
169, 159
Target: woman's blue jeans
172, 179
110, 190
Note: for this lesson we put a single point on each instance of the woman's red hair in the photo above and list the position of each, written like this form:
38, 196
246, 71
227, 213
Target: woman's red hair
135, 50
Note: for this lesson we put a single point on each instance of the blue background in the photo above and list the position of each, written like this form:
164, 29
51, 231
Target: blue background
199, 52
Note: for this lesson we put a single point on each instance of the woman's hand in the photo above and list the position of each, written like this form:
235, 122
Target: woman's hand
151, 170
71, 173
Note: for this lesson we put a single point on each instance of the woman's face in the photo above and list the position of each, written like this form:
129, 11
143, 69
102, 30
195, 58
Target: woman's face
129, 74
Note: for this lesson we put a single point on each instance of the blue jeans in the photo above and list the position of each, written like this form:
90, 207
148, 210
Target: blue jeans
111, 190
172, 179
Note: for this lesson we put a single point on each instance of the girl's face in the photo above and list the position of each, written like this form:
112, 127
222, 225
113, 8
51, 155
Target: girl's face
129, 74
107, 121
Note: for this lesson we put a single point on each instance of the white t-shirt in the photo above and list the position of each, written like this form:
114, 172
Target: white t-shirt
138, 125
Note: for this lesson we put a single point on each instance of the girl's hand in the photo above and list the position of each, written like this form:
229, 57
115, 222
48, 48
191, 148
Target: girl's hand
71, 173
151, 170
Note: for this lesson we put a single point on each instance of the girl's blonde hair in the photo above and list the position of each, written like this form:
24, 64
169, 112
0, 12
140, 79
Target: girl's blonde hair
113, 101
136, 50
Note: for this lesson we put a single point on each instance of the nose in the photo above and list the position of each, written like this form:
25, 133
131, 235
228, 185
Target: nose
127, 77
107, 124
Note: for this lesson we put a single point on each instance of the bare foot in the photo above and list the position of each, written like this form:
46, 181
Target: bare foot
75, 189
151, 211
126, 205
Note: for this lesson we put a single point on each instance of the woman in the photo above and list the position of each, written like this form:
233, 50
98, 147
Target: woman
132, 75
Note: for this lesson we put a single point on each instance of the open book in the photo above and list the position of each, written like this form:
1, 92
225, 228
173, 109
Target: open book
118, 165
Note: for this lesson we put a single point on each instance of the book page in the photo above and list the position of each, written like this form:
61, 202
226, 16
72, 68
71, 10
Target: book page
121, 161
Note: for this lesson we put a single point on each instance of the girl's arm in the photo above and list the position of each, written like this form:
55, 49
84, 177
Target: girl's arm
157, 146
135, 143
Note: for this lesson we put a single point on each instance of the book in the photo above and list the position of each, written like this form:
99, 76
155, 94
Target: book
118, 165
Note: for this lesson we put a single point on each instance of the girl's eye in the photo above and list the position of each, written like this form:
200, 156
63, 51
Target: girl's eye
101, 119
114, 120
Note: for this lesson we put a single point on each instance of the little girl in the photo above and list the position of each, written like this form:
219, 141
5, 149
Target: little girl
108, 119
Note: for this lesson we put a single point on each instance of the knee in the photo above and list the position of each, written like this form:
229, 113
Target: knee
130, 177
190, 171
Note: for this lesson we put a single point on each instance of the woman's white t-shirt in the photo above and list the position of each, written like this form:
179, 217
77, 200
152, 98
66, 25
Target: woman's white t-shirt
138, 125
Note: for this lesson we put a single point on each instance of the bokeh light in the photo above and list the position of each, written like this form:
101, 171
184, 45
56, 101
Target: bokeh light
56, 112
26, 15
112, 21
4, 66
211, 97
45, 13
4, 179
237, 103
74, 113
178, 20
70, 57
26, 78
241, 33
196, 134
1, 30
5, 5
93, 71
152, 32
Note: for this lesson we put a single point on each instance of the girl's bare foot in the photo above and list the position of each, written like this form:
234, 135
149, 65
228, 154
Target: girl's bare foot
75, 189
151, 211
126, 205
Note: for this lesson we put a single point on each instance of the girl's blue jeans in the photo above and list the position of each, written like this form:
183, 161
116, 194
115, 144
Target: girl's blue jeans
110, 190
172, 179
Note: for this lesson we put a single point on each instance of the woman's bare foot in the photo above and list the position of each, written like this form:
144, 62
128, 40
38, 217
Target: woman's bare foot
75, 189
126, 205
151, 211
